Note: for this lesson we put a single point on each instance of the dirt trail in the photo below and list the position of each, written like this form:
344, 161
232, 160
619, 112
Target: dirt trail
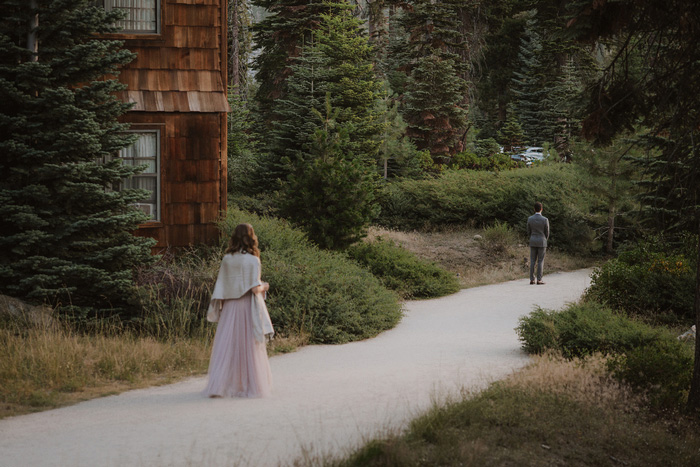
326, 398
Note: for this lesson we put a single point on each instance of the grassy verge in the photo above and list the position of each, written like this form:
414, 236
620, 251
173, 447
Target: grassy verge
555, 412
47, 368
495, 257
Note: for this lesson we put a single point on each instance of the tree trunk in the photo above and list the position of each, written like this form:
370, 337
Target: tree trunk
694, 395
611, 229
235, 75
32, 40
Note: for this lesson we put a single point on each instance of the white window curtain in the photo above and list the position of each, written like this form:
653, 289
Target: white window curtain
144, 151
141, 15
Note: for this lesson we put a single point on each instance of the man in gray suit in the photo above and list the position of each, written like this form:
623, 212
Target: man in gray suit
538, 231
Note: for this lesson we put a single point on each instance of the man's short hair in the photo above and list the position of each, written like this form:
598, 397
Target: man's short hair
538, 206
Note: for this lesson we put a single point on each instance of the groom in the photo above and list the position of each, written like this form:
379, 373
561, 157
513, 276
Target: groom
538, 231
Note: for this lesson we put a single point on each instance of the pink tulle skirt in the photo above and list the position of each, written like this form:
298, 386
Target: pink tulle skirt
239, 366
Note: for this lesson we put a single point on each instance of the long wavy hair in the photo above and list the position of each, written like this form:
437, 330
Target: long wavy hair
243, 239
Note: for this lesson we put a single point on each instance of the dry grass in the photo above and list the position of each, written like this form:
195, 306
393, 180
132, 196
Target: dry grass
586, 382
47, 368
554, 412
477, 262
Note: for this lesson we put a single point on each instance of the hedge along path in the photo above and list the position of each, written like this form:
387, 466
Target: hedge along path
326, 400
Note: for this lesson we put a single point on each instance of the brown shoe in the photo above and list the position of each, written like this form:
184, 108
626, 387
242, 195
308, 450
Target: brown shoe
540, 283
532, 282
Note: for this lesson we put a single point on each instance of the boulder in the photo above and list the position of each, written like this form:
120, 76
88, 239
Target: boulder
40, 315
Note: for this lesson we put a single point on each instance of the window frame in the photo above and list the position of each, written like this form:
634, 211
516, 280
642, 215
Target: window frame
156, 221
143, 35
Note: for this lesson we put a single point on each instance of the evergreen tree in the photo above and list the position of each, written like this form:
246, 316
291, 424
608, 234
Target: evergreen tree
351, 79
511, 134
279, 39
530, 87
431, 49
64, 234
336, 60
561, 108
431, 107
612, 172
330, 194
240, 45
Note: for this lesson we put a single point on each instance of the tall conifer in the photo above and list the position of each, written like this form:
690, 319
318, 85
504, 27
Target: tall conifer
64, 232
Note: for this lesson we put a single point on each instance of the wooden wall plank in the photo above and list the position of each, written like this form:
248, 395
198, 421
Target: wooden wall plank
173, 58
193, 15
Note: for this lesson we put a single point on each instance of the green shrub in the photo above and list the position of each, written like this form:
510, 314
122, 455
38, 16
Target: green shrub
477, 197
499, 236
315, 292
403, 272
641, 355
174, 293
471, 161
663, 368
583, 329
653, 280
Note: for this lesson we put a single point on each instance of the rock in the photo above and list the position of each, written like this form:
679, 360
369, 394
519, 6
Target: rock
478, 237
688, 335
40, 315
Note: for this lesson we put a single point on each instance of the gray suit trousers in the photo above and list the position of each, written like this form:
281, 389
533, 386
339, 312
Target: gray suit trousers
537, 256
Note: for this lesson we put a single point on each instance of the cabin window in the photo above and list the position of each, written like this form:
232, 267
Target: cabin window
142, 16
145, 151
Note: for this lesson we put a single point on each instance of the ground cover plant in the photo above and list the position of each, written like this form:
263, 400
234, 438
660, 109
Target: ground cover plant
317, 293
649, 358
402, 271
653, 279
478, 256
478, 199
554, 412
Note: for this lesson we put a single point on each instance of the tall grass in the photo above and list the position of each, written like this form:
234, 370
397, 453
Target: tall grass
49, 367
555, 412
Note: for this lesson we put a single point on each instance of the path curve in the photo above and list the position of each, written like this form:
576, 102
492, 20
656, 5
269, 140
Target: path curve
326, 398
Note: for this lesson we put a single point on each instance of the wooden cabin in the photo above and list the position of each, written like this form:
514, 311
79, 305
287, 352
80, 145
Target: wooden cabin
177, 84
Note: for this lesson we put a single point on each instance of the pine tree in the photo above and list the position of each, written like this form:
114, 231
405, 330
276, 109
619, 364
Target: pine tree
530, 87
64, 233
351, 80
279, 39
336, 60
431, 107
331, 192
562, 107
240, 45
511, 134
434, 90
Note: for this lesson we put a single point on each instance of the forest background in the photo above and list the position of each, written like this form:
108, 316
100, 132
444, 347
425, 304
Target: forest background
400, 115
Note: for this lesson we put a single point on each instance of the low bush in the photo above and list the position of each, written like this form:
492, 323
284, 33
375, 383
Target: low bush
315, 292
480, 198
499, 237
662, 368
583, 329
174, 294
551, 413
653, 279
403, 272
641, 355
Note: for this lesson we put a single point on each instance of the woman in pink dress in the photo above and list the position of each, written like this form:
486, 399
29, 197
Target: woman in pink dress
239, 366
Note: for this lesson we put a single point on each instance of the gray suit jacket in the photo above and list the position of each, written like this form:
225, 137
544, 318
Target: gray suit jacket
538, 230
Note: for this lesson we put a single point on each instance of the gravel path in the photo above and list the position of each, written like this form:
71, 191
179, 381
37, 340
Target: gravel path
326, 398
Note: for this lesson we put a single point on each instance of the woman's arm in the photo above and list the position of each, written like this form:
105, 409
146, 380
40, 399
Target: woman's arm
260, 288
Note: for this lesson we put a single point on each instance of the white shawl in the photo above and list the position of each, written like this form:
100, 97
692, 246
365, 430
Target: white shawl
238, 274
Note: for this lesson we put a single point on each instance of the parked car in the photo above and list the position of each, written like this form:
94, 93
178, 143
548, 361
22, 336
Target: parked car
534, 153
522, 158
